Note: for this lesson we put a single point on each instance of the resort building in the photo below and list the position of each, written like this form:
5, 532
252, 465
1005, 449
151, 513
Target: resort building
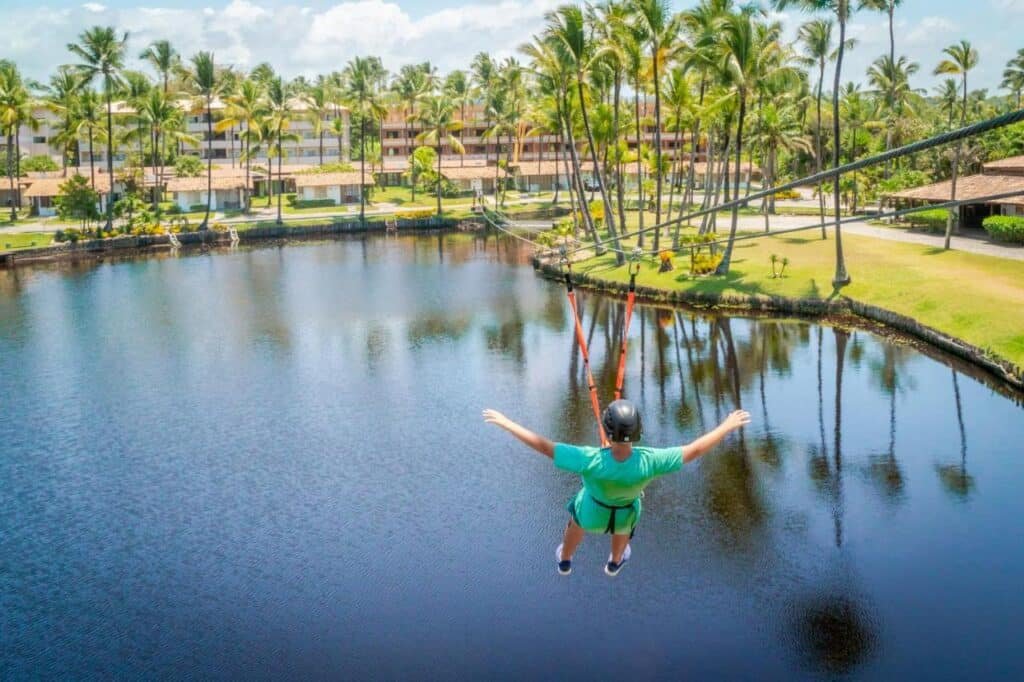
227, 147
337, 188
996, 177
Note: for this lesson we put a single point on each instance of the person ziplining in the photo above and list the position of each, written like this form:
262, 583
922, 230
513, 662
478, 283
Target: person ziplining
615, 474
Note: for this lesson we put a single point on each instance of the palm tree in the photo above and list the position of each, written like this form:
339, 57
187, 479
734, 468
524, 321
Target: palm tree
816, 36
438, 119
891, 80
245, 107
456, 87
1013, 76
88, 119
661, 28
778, 128
961, 58
567, 28
278, 120
164, 59
15, 108
889, 7
61, 98
362, 93
202, 81
318, 107
842, 9
160, 112
741, 67
135, 87
101, 52
484, 70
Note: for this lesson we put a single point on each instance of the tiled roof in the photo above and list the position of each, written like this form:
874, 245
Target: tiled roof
198, 184
331, 179
50, 187
968, 188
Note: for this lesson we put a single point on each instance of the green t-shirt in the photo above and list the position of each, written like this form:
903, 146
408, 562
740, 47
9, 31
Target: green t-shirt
613, 482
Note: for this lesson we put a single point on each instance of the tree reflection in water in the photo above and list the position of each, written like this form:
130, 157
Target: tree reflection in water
833, 631
954, 477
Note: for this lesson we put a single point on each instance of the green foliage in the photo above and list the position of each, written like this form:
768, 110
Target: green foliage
312, 203
77, 200
197, 208
39, 164
336, 167
787, 194
903, 180
933, 219
187, 166
1005, 228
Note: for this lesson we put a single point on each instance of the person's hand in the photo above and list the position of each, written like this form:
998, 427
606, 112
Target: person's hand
496, 418
737, 419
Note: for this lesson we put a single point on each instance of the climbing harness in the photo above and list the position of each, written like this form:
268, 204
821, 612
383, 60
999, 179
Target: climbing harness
634, 270
610, 529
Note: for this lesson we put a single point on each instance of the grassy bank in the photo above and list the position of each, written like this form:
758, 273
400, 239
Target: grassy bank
24, 240
979, 299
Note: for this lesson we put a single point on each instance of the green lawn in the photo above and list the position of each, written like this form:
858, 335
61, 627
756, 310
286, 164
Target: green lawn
979, 299
24, 240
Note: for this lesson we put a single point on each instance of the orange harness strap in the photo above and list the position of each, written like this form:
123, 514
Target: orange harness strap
634, 270
581, 339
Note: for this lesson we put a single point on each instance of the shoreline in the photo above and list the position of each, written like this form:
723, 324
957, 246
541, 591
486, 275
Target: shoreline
100, 249
844, 309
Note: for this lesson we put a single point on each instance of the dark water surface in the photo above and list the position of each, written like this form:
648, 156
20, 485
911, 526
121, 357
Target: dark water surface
271, 463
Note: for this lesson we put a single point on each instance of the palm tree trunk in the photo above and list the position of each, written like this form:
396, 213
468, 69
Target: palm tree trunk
362, 166
17, 166
10, 172
462, 132
619, 189
723, 267
439, 176
92, 165
657, 149
322, 145
842, 277
248, 161
231, 144
609, 216
639, 162
110, 158
819, 152
577, 181
280, 179
209, 164
558, 144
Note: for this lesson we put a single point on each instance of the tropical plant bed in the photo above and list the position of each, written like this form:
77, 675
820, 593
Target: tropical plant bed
979, 299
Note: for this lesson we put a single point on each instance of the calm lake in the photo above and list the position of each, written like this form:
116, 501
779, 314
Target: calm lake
270, 462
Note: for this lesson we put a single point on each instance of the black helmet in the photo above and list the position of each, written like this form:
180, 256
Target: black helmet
621, 421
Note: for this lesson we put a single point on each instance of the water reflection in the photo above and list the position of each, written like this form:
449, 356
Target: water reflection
236, 457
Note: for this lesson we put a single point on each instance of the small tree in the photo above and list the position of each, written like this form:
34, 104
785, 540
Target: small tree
78, 201
188, 166
39, 164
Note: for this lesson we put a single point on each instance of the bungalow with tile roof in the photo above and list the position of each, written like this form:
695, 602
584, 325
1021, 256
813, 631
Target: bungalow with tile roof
227, 192
41, 192
339, 188
1005, 176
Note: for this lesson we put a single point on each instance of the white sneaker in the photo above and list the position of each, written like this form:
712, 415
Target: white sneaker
564, 567
611, 568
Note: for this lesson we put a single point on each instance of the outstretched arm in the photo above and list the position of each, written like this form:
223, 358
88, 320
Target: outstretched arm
709, 440
538, 443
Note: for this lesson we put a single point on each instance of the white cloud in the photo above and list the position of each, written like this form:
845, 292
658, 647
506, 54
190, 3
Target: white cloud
1011, 5
930, 29
94, 7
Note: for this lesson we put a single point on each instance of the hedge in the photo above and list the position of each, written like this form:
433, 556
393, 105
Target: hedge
313, 203
933, 220
1005, 228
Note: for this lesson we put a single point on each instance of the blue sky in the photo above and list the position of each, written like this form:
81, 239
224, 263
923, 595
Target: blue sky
311, 36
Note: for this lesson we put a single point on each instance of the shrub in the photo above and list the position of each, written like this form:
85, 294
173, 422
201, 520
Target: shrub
933, 219
1005, 228
187, 166
787, 194
336, 167
39, 163
704, 264
77, 200
313, 203
415, 215
59, 236
666, 261
197, 208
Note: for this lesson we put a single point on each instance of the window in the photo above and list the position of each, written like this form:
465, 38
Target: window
320, 192
39, 139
